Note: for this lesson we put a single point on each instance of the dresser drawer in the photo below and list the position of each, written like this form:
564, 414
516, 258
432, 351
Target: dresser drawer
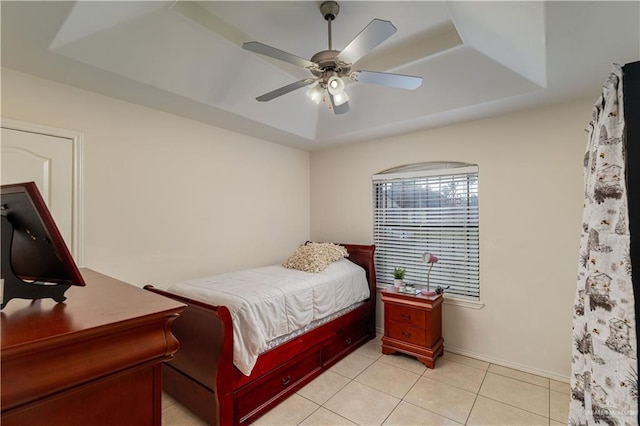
406, 333
407, 315
259, 392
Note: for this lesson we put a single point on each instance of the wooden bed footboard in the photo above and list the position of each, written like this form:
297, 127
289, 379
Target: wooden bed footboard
202, 376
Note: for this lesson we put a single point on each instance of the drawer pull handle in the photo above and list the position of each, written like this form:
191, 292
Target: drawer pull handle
348, 340
406, 335
406, 317
286, 381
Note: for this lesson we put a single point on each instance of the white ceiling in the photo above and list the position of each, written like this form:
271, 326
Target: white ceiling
476, 59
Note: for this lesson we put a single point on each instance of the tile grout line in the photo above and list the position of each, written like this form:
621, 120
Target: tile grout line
310, 414
477, 395
548, 387
392, 411
504, 375
549, 411
423, 374
432, 412
374, 389
521, 408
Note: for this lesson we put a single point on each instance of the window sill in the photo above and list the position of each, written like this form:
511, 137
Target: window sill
472, 304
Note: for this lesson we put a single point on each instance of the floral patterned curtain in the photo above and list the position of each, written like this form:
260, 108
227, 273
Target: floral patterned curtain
604, 377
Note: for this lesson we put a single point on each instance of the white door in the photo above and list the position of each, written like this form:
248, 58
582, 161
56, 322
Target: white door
49, 161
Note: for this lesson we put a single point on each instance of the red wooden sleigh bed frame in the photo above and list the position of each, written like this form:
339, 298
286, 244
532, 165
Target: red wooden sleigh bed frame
203, 378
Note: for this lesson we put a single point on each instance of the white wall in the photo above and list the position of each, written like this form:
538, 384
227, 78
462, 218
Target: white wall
530, 189
166, 198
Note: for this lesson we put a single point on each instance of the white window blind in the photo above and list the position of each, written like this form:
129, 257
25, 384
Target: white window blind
431, 207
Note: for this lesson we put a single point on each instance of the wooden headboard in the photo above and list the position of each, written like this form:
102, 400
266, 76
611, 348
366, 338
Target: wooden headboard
363, 255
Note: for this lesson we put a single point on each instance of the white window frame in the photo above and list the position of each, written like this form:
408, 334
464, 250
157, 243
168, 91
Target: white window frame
449, 230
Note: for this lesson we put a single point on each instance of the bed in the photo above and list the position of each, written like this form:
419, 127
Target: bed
202, 375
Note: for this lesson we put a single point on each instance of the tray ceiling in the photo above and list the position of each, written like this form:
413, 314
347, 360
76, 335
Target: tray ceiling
476, 59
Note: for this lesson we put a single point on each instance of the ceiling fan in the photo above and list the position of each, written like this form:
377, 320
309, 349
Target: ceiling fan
329, 67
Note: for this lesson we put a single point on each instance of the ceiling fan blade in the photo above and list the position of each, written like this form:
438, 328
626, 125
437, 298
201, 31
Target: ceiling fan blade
372, 35
284, 90
339, 109
400, 81
272, 52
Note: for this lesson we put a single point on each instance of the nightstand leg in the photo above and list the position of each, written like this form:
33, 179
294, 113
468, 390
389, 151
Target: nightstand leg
386, 350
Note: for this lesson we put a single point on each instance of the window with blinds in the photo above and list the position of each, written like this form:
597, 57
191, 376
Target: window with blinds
429, 207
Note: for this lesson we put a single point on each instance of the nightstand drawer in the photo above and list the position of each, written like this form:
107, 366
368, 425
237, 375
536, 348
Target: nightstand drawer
412, 325
407, 333
407, 315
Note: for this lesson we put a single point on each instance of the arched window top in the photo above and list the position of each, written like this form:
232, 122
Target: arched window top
425, 167
440, 168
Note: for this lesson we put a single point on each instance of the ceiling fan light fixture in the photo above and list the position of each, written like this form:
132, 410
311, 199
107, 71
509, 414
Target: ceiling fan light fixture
340, 98
315, 93
335, 85
330, 67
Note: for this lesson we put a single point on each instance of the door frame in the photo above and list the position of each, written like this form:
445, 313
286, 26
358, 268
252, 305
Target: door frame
77, 247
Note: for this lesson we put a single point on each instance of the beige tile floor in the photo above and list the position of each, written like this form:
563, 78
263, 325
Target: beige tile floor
368, 388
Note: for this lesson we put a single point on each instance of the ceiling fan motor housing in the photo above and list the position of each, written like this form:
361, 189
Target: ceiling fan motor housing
329, 10
326, 60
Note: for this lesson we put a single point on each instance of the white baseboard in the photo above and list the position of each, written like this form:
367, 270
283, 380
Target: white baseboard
501, 362
508, 364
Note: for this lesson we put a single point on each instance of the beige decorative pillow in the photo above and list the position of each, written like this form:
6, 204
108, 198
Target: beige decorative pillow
315, 257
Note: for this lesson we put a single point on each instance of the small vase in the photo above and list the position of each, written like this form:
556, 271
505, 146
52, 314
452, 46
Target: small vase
398, 283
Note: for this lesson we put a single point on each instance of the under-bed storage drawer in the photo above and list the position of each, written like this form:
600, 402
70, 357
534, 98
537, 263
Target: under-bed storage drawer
259, 392
346, 337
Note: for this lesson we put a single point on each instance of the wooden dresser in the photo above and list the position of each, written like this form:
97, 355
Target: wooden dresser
94, 359
413, 325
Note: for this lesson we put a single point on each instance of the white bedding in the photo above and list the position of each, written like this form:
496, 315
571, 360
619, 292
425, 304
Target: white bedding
270, 302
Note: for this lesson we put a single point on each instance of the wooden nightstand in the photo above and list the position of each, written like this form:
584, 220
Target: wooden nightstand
413, 325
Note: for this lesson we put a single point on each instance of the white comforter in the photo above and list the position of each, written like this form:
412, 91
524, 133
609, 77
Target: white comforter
270, 302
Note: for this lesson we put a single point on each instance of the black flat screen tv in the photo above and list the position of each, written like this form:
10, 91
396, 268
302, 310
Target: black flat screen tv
35, 257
